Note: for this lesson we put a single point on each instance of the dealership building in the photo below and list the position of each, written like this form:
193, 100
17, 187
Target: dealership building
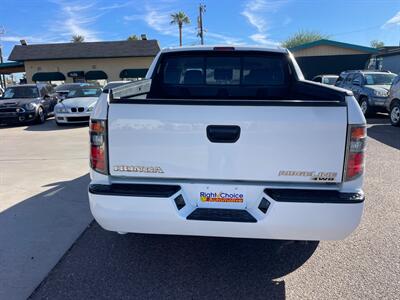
129, 60
331, 57
88, 61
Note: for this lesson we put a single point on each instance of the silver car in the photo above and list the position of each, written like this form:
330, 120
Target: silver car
77, 105
393, 102
370, 88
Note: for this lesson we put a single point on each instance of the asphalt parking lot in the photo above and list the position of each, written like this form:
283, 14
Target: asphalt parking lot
44, 205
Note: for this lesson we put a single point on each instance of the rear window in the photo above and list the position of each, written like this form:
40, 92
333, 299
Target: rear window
264, 71
225, 70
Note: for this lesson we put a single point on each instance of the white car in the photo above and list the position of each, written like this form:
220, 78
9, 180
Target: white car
230, 142
77, 105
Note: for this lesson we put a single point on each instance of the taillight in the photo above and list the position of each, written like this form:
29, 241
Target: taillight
355, 152
98, 146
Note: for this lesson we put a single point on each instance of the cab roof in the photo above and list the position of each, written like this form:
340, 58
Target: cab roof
235, 48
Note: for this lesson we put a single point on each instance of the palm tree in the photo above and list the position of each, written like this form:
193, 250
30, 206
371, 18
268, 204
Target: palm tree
180, 18
76, 38
132, 37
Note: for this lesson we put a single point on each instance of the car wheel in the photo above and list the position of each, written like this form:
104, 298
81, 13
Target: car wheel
395, 114
41, 116
365, 107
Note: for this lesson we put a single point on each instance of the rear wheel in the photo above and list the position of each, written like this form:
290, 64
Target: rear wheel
41, 116
395, 114
365, 107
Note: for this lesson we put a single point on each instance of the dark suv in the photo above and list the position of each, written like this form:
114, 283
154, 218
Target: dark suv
370, 88
27, 103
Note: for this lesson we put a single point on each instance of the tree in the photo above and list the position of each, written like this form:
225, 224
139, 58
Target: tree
180, 18
76, 38
302, 37
377, 44
132, 37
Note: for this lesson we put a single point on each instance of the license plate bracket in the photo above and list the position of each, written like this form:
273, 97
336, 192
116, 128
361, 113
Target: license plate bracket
221, 196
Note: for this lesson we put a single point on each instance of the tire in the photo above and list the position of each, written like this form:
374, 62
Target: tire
394, 114
41, 116
365, 107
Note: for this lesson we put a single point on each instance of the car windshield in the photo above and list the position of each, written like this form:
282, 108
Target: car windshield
21, 92
84, 92
379, 78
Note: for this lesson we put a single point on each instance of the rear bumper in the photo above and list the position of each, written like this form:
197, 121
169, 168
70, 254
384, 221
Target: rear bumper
141, 211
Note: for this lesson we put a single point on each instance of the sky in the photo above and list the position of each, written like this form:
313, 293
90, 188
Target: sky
251, 22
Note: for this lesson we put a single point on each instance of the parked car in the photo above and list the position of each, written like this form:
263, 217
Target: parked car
27, 103
77, 105
326, 79
370, 88
393, 102
63, 89
228, 141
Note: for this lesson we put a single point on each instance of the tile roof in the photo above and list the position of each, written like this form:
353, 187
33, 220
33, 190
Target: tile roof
111, 49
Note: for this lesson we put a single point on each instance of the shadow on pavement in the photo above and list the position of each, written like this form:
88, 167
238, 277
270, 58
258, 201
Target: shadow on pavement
51, 125
105, 265
384, 132
379, 118
36, 232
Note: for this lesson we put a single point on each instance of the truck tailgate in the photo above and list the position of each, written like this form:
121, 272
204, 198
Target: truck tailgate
276, 143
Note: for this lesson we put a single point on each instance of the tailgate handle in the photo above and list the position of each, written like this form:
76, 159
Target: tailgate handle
223, 133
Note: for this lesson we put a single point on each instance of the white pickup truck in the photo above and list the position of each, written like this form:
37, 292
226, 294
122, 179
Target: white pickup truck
230, 142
